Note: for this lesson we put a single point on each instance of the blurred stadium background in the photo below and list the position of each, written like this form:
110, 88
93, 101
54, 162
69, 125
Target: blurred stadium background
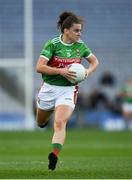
26, 24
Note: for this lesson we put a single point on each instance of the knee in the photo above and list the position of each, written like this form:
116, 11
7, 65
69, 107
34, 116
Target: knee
40, 123
59, 125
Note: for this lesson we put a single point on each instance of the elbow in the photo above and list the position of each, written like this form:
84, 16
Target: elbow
38, 69
97, 63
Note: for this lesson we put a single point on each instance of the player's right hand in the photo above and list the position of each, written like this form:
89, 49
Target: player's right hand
66, 73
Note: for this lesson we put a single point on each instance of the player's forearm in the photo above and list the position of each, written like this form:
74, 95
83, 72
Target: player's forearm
44, 69
92, 67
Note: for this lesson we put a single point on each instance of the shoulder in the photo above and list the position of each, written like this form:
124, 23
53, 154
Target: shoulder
55, 40
81, 43
51, 42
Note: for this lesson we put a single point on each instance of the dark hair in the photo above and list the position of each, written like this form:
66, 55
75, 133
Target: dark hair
67, 19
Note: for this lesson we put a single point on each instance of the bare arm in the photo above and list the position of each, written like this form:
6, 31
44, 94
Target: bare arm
93, 61
43, 68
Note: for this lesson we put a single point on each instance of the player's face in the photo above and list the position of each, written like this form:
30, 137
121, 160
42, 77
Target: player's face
74, 32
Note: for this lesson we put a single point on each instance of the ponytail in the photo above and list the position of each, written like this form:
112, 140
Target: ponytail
67, 19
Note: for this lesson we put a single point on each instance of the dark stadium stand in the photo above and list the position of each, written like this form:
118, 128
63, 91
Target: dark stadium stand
107, 32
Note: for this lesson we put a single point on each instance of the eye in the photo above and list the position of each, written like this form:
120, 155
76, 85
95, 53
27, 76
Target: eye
77, 30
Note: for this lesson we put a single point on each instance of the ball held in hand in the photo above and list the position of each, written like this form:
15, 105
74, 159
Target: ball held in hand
80, 72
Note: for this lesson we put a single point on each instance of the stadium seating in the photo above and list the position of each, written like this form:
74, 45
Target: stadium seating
107, 32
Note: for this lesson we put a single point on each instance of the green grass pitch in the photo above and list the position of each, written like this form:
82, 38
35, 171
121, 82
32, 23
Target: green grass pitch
86, 154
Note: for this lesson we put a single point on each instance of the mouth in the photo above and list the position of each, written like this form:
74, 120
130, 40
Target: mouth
78, 37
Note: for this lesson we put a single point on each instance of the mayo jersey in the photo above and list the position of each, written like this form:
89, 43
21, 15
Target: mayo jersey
60, 55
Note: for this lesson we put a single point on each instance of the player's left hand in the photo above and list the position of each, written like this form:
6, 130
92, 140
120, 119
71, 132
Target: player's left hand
87, 73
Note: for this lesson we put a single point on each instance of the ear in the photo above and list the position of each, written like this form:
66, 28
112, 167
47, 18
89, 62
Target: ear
66, 31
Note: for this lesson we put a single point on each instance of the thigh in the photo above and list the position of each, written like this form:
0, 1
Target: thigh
63, 113
46, 97
43, 116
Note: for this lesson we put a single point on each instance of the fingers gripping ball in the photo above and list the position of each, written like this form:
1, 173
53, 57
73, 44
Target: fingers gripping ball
80, 72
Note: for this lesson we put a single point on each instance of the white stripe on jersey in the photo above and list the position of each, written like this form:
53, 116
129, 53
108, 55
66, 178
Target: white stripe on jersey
44, 57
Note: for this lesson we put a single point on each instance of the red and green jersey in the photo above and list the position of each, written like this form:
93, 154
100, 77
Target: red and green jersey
60, 55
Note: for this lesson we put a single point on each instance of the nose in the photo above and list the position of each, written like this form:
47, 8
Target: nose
79, 33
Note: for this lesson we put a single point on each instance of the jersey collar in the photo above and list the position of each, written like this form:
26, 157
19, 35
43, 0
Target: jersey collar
66, 44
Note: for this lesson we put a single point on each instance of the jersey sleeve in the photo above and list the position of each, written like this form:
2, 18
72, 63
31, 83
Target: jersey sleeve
47, 50
87, 52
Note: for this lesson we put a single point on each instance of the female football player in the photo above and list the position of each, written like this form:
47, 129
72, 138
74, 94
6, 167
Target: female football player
57, 93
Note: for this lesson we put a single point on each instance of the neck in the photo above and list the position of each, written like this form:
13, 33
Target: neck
65, 39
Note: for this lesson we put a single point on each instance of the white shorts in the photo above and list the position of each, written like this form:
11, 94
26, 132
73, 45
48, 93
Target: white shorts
50, 96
